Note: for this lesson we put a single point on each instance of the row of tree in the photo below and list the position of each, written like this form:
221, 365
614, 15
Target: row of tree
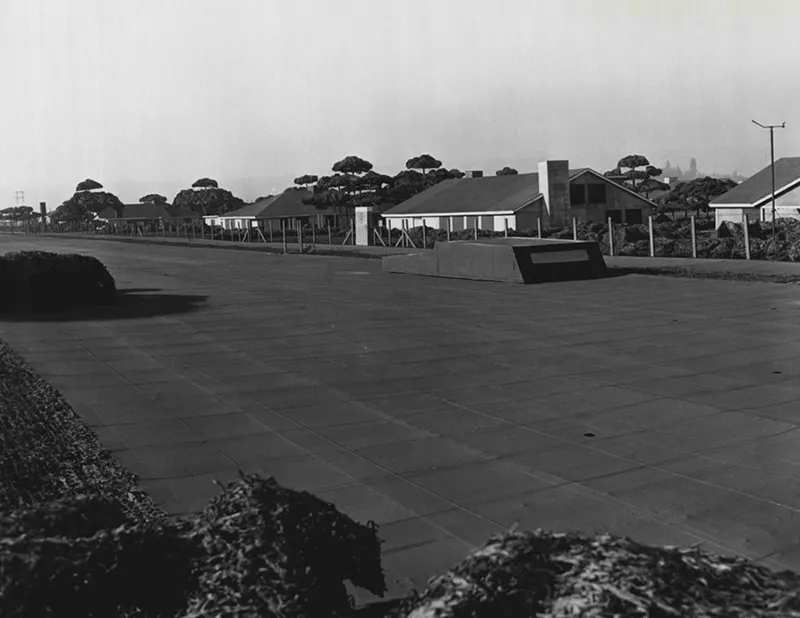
354, 182
205, 197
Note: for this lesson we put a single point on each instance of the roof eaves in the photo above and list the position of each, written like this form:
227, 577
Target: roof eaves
778, 192
528, 202
471, 213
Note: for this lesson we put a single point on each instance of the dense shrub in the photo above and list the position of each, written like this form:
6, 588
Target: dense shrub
142, 567
273, 551
258, 549
42, 281
546, 574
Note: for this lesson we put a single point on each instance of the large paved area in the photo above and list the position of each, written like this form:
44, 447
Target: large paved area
659, 408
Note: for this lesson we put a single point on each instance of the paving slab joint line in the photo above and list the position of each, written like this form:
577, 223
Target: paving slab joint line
611, 499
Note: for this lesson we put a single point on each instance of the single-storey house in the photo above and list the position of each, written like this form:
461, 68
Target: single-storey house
554, 194
287, 209
753, 197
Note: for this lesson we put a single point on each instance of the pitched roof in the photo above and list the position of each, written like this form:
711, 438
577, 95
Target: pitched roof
487, 194
758, 188
137, 211
250, 210
287, 204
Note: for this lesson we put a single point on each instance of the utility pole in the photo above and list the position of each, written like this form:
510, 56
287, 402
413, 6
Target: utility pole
771, 128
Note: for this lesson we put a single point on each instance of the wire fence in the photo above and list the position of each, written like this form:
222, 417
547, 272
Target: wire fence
693, 237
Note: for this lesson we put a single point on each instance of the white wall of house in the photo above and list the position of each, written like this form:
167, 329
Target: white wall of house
503, 221
735, 213
486, 221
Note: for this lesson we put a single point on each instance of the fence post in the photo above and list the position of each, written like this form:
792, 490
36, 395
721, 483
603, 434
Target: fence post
314, 235
694, 239
330, 240
539, 226
745, 226
610, 237
283, 229
424, 236
447, 225
652, 239
574, 228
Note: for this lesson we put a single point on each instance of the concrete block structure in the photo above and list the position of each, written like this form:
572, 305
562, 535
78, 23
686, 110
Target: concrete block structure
509, 260
552, 195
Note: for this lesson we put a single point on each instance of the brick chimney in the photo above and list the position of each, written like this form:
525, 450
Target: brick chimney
554, 186
473, 174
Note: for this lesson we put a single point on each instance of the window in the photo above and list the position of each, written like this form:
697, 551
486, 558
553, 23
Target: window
577, 194
597, 194
633, 216
614, 215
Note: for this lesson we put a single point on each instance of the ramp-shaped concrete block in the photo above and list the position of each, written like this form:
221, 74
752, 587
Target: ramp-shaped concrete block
515, 260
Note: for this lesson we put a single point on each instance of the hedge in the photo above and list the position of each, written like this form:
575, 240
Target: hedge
43, 281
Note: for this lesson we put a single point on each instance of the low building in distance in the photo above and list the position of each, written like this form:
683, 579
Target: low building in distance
555, 194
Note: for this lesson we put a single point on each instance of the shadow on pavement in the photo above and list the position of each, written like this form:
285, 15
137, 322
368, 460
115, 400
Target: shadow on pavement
131, 304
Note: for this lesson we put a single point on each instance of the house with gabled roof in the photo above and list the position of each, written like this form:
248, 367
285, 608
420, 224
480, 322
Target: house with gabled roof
753, 197
554, 195
286, 208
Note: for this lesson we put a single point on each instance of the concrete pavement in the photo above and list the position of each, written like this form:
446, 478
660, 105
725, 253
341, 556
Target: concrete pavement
659, 408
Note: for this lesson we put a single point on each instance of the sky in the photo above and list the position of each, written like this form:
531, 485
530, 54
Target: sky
149, 95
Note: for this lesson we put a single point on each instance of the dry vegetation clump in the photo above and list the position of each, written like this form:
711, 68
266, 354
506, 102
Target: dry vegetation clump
559, 575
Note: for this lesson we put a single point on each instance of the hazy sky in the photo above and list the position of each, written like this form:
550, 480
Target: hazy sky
161, 92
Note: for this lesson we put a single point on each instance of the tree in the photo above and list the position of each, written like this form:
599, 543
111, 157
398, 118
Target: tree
352, 165
306, 179
698, 193
18, 213
647, 186
86, 202
423, 162
205, 183
345, 184
207, 201
88, 185
72, 210
628, 170
153, 198
507, 171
